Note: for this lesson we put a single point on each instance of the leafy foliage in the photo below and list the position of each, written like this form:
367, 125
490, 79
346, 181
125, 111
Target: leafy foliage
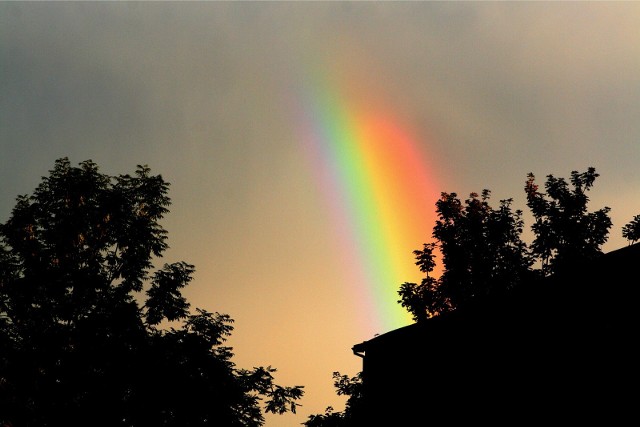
482, 252
426, 299
79, 343
345, 386
565, 231
631, 231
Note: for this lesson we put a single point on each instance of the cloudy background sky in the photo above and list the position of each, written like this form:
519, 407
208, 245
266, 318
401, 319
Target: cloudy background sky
205, 94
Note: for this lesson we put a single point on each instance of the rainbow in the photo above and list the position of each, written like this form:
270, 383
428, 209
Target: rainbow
381, 195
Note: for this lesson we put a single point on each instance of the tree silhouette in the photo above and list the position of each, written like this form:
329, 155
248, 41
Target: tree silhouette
482, 253
426, 299
631, 231
80, 341
565, 232
345, 386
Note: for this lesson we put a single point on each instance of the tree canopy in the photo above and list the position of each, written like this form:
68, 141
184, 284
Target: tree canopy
482, 249
482, 253
81, 309
345, 386
565, 231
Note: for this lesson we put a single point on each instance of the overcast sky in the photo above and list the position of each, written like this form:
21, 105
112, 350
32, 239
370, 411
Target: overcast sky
207, 94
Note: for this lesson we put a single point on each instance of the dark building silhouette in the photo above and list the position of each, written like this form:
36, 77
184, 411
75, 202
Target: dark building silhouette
562, 351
